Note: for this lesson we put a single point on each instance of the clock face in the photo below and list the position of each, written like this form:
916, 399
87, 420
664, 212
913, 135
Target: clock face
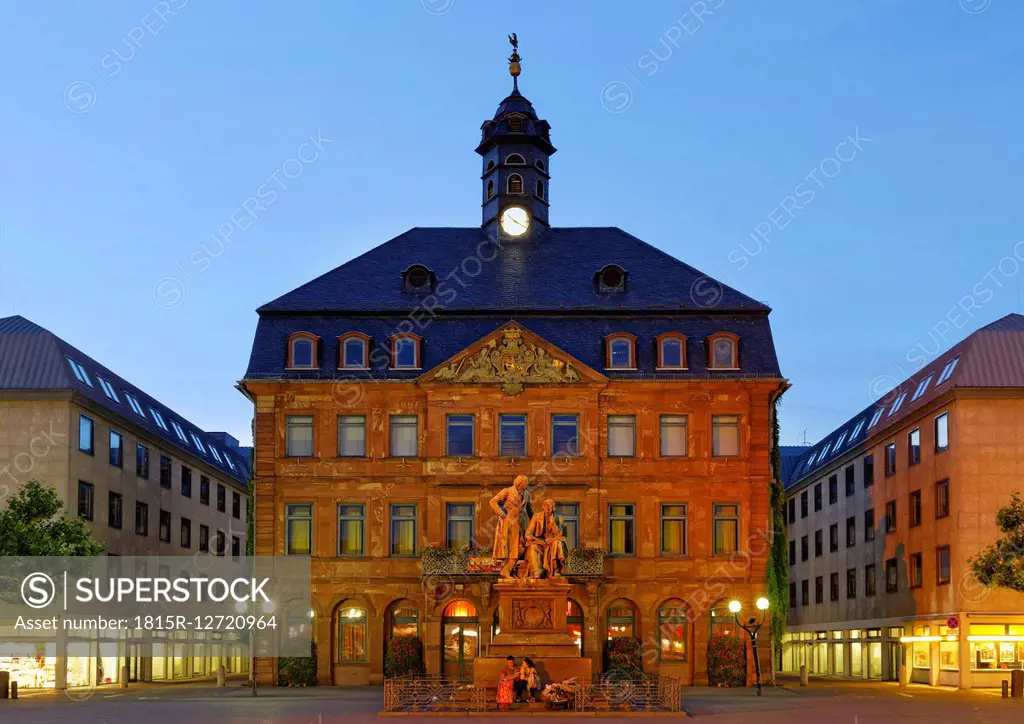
515, 221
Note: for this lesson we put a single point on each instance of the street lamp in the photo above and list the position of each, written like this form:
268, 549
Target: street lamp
752, 626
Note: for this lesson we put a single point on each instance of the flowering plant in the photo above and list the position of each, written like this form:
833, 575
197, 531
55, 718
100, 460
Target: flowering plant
727, 661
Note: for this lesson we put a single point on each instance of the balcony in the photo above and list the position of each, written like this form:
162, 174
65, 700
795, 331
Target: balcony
582, 564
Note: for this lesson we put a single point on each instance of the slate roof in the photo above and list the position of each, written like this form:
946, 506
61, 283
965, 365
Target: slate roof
33, 358
991, 357
554, 272
789, 457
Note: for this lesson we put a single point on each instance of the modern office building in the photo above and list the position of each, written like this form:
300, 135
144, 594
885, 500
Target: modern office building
396, 394
883, 515
147, 481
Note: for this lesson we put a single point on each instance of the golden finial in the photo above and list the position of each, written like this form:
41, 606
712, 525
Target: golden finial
514, 66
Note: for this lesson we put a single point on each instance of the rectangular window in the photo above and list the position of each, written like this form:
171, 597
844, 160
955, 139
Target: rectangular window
793, 601
165, 526
204, 490
85, 491
792, 510
460, 435
942, 432
942, 565
165, 472
204, 538
565, 435
142, 461
351, 436
219, 544
114, 510
805, 548
569, 514
819, 543
890, 517
621, 436
404, 436
236, 505
803, 504
833, 490
673, 529
726, 529
221, 499
725, 435
942, 499
892, 581
86, 434
850, 485
869, 471
141, 518
916, 570
915, 508
869, 579
134, 404
674, 435
869, 525
890, 459
236, 547
460, 526
914, 446
833, 586
186, 533
116, 449
851, 582
819, 589
186, 481
512, 436
851, 532
805, 593
298, 436
817, 497
351, 529
403, 529
833, 537
792, 553
298, 540
620, 529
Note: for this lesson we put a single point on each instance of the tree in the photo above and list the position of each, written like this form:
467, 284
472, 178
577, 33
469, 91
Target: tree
1002, 563
34, 524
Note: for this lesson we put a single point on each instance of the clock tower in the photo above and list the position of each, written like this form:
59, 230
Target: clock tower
515, 146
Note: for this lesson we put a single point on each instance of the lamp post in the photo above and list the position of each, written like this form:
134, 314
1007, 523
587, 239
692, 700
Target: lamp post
752, 626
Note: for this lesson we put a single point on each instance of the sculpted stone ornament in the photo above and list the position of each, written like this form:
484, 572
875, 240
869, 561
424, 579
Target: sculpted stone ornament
545, 544
513, 363
531, 547
510, 507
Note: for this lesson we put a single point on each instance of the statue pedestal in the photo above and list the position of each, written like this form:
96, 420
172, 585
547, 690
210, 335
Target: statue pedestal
532, 623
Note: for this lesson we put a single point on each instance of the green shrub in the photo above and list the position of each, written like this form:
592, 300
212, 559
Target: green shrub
727, 661
297, 670
404, 656
624, 655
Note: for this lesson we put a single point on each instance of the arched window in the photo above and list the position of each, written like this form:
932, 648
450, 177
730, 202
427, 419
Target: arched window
723, 623
540, 189
515, 184
355, 351
352, 635
515, 124
574, 619
403, 620
302, 351
490, 188
515, 159
672, 631
671, 351
405, 351
460, 631
539, 164
724, 351
621, 352
490, 165
621, 619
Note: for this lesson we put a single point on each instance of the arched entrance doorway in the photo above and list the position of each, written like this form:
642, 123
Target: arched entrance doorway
574, 618
401, 618
620, 623
460, 639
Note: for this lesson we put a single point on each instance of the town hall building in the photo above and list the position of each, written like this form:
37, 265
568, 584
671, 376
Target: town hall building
398, 393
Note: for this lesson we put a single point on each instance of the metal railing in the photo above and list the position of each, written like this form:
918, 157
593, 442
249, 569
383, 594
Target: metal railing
644, 693
432, 692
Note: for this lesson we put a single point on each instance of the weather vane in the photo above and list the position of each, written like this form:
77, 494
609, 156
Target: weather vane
514, 67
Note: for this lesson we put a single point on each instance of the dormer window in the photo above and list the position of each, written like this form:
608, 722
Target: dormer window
417, 279
610, 279
515, 184
621, 351
515, 159
302, 351
724, 351
405, 351
515, 124
355, 351
671, 351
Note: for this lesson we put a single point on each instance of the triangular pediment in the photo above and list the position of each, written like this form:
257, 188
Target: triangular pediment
513, 357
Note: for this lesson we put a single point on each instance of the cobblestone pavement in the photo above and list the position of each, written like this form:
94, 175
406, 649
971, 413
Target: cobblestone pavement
821, 703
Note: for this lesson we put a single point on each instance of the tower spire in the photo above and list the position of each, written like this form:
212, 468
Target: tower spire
514, 67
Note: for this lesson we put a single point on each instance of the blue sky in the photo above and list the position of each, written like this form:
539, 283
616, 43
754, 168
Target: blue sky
853, 164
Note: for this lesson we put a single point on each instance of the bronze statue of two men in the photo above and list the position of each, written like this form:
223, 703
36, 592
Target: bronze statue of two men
537, 540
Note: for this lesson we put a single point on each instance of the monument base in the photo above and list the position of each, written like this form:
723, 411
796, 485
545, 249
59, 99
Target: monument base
487, 669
